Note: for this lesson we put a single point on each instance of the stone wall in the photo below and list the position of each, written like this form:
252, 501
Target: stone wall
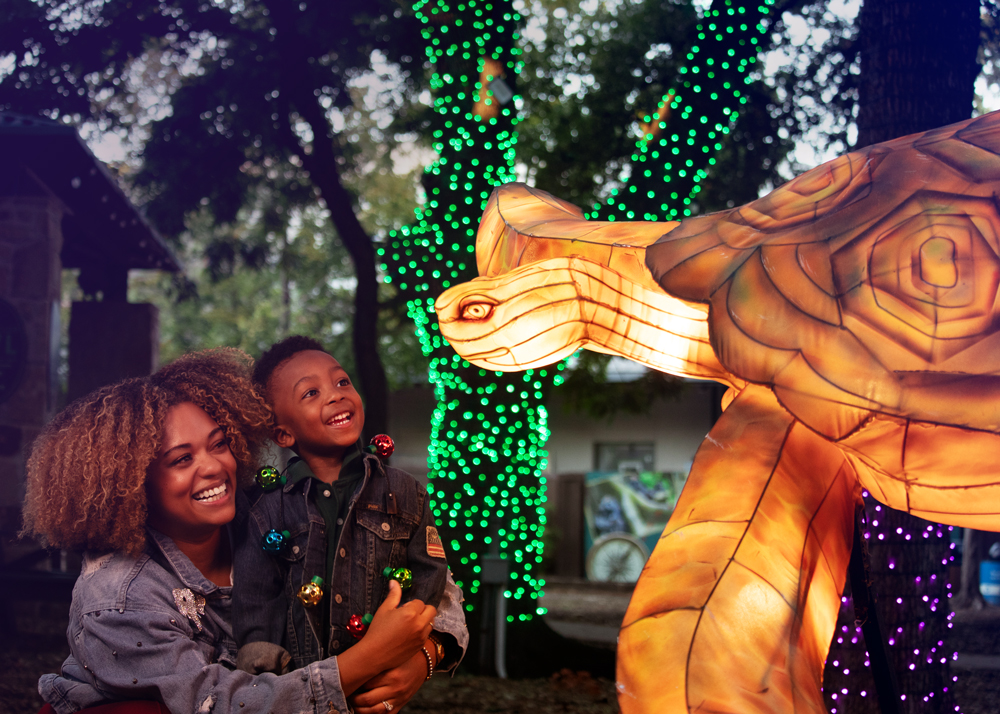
30, 281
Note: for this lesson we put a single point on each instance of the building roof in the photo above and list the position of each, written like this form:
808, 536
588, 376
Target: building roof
41, 157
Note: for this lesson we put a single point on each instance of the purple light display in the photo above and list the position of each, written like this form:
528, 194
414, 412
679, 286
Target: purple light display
909, 560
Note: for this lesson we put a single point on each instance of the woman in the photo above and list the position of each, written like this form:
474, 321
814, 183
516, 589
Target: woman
143, 476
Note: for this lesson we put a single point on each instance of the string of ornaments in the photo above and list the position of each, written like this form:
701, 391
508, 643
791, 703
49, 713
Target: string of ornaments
274, 542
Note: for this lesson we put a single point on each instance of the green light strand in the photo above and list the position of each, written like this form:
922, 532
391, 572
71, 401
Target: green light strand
685, 133
489, 429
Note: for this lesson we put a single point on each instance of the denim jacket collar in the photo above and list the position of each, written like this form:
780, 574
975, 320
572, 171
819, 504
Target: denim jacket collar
183, 567
370, 466
356, 460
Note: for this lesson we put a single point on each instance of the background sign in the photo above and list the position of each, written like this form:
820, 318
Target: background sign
634, 503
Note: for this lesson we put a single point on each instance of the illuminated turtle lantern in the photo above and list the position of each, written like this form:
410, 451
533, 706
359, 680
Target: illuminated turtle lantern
853, 312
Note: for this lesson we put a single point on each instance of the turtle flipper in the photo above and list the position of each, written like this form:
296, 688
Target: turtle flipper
736, 607
933, 471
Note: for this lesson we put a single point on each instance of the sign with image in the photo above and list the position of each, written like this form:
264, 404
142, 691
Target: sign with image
625, 512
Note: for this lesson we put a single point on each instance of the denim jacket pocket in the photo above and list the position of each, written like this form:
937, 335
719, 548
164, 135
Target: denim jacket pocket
385, 526
383, 539
295, 549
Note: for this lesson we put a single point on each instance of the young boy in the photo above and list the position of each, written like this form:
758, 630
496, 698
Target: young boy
346, 517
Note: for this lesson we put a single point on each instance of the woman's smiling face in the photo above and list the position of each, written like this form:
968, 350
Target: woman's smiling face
191, 485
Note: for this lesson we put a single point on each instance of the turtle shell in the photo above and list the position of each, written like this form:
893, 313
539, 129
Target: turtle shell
868, 284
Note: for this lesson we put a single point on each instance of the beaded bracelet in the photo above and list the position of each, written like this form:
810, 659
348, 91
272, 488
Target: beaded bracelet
430, 663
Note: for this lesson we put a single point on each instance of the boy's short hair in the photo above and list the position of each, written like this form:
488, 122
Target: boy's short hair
279, 353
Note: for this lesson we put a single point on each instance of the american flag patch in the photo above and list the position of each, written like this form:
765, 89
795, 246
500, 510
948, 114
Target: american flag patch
435, 548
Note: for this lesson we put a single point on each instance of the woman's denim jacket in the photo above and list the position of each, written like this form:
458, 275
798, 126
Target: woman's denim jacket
388, 524
152, 627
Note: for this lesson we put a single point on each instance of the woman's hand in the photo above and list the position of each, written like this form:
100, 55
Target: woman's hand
395, 635
395, 686
398, 632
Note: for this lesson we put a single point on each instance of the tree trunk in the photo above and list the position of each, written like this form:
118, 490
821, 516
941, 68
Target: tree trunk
285, 323
371, 374
918, 68
975, 545
320, 160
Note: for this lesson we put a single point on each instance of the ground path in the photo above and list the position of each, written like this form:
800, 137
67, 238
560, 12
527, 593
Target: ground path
579, 610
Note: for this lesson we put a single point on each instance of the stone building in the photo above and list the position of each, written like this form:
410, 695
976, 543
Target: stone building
60, 208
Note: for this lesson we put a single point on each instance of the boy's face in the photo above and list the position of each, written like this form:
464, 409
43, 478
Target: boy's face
317, 410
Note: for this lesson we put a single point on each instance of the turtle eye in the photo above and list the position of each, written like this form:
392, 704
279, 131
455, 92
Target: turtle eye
477, 311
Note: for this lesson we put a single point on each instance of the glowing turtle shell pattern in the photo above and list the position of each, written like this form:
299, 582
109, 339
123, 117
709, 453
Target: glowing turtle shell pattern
865, 288
869, 282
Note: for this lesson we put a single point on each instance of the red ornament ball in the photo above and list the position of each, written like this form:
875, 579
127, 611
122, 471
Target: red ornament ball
383, 445
356, 626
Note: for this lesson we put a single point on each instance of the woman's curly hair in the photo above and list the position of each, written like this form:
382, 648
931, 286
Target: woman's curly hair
218, 381
86, 486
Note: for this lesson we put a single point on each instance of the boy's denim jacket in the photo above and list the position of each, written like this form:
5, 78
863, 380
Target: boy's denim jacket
153, 627
387, 525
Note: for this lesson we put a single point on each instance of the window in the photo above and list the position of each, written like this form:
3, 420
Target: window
621, 457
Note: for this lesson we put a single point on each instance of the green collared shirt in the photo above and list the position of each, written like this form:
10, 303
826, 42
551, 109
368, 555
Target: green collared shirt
332, 499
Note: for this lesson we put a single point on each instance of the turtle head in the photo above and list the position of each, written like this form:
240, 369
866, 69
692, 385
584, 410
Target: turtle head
543, 312
527, 318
